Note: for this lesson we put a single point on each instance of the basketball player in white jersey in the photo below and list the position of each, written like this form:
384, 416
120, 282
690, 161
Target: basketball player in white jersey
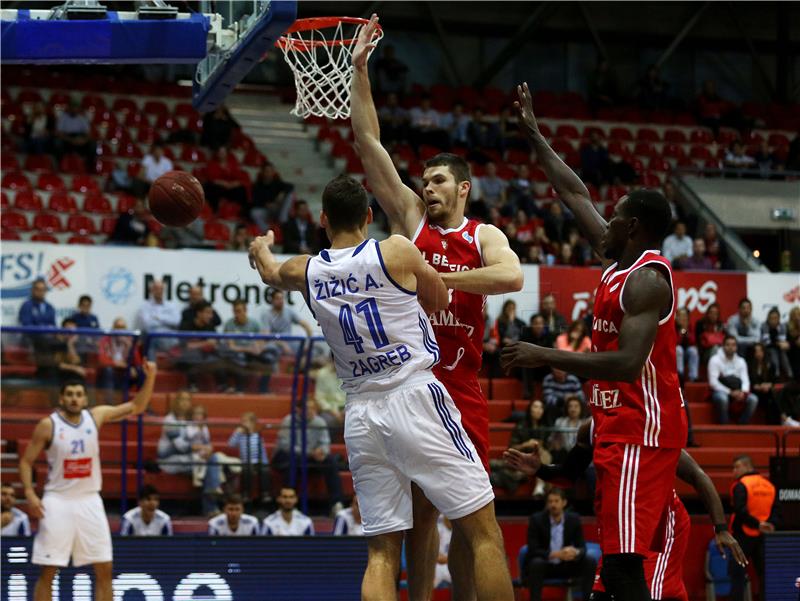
233, 521
287, 520
401, 426
72, 520
15, 522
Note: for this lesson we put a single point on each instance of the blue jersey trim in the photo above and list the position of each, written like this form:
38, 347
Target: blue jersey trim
308, 289
69, 423
360, 247
453, 422
324, 254
429, 344
386, 271
449, 425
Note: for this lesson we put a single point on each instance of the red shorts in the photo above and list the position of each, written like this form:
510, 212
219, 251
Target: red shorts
474, 408
634, 490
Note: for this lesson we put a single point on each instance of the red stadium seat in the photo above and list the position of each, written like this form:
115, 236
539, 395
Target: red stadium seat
701, 136
567, 131
155, 107
614, 193
184, 109
50, 182
620, 148
147, 135
28, 96
81, 224
58, 99
777, 139
9, 162
27, 200
38, 162
538, 174
135, 119
637, 164
217, 232
712, 164
589, 129
123, 105
95, 202
673, 151
15, 181
104, 119
43, 237
61, 202
647, 134
72, 163
103, 166
676, 136
651, 180
93, 102
686, 162
644, 149
47, 222
84, 183
107, 225
700, 152
561, 146
727, 136
13, 220
125, 203
621, 133
130, 151
4, 202
229, 211
254, 158
193, 154
505, 172
659, 164
9, 235
518, 157
80, 240
594, 193
166, 123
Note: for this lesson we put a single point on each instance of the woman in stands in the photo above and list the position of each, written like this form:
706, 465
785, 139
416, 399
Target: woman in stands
762, 380
575, 339
687, 352
709, 332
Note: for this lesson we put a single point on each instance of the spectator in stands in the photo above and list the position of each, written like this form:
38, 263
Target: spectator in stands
763, 377
218, 127
756, 511
595, 163
556, 548
72, 134
270, 194
575, 339
241, 239
318, 450
567, 425
729, 381
530, 430
709, 332
773, 336
519, 195
36, 311
789, 404
698, 260
671, 194
554, 322
556, 387
116, 364
39, 126
189, 236
287, 521
146, 519
348, 521
793, 338
83, 317
555, 223
793, 156
677, 247
393, 120
224, 180
602, 86
686, 352
63, 362
509, 326
14, 522
390, 72
154, 164
329, 396
246, 438
441, 576
535, 333
481, 134
299, 232
176, 450
744, 327
195, 301
493, 190
199, 355
715, 249
280, 318
652, 93
131, 227
766, 160
711, 108
455, 124
426, 125
245, 356
233, 521
737, 157
158, 314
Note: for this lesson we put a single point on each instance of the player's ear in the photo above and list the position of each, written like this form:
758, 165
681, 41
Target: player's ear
323, 219
370, 216
464, 188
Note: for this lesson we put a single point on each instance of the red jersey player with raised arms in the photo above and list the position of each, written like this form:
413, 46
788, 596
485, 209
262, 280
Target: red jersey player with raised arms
474, 260
636, 399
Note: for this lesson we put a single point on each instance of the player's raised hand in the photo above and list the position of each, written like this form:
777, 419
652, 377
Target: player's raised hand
150, 369
365, 44
527, 463
259, 244
524, 108
521, 354
724, 541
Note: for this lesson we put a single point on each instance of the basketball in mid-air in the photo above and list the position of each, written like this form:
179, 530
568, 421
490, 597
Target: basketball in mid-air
176, 198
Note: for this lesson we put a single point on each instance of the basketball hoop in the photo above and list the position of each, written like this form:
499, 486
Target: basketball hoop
319, 52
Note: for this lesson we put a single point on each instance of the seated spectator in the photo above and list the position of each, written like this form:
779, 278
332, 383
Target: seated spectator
709, 332
287, 521
481, 134
575, 339
493, 191
766, 160
530, 430
699, 260
556, 548
117, 366
509, 326
554, 322
595, 164
711, 109
146, 519
567, 426
773, 337
72, 134
176, 450
762, 380
318, 449
241, 239
390, 72
556, 387
455, 124
14, 521
246, 358
652, 93
441, 576
198, 356
509, 133
154, 164
393, 120
279, 319
83, 317
744, 327
218, 127
789, 404
224, 180
348, 521
793, 338
729, 381
677, 247
426, 127
737, 157
131, 228
556, 223
246, 438
233, 521
195, 301
270, 196
64, 361
190, 236
39, 126
566, 255
715, 249
36, 311
686, 352
520, 194
158, 315
329, 396
536, 333
300, 232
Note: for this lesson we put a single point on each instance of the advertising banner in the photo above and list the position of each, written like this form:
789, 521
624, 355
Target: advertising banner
768, 290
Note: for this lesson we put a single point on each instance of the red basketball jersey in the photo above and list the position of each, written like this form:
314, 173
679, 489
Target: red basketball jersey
459, 328
648, 411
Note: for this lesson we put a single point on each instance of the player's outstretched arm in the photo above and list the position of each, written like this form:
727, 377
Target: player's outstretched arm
407, 267
645, 296
107, 413
569, 186
502, 272
401, 204
691, 473
41, 436
289, 275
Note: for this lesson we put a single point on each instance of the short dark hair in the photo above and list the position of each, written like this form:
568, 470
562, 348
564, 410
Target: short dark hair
84, 297
558, 491
72, 382
457, 165
729, 337
148, 490
345, 203
652, 210
67, 320
744, 459
745, 300
201, 306
238, 302
233, 499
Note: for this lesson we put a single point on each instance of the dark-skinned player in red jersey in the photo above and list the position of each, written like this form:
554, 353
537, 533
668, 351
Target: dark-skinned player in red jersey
636, 401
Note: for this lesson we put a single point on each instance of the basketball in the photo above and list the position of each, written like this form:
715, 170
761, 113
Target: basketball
176, 198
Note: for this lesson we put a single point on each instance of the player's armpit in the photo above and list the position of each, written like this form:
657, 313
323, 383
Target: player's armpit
292, 273
502, 272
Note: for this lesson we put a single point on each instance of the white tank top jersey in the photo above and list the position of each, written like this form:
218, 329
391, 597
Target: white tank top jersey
73, 457
377, 330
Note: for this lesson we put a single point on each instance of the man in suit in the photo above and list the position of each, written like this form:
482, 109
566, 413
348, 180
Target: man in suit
556, 548
300, 232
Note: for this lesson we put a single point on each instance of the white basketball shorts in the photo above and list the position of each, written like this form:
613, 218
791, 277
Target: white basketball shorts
411, 434
74, 527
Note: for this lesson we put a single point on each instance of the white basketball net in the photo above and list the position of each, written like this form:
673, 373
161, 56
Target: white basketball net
323, 68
